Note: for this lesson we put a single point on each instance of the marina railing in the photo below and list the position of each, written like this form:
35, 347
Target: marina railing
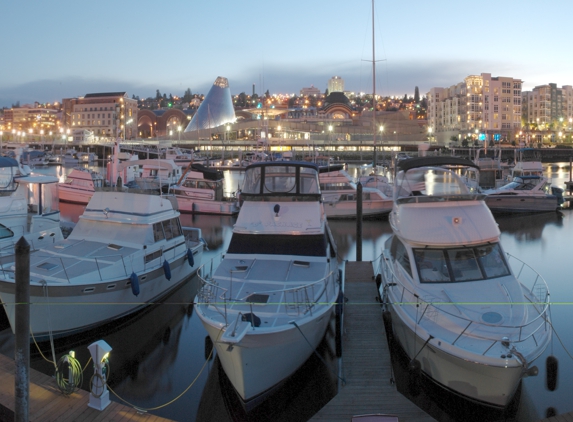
298, 300
446, 316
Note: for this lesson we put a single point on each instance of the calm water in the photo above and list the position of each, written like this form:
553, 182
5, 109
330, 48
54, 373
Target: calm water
162, 353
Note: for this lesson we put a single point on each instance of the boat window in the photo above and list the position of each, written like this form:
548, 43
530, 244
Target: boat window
158, 232
460, 264
5, 232
312, 245
154, 255
400, 254
172, 228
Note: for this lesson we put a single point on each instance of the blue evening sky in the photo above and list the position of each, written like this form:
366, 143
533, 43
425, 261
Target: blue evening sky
62, 48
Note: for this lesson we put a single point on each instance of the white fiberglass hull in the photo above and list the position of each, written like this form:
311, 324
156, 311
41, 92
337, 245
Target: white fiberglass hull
266, 357
199, 206
471, 375
521, 204
347, 209
61, 310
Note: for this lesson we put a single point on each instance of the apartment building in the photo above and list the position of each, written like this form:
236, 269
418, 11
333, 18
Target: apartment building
105, 115
481, 106
31, 119
548, 105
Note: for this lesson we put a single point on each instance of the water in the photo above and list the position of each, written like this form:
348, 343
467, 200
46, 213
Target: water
161, 355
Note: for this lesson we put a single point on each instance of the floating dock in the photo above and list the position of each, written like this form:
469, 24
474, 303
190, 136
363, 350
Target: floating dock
365, 364
47, 403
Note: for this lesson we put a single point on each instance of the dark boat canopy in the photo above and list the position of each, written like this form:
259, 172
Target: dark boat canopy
440, 161
8, 162
209, 173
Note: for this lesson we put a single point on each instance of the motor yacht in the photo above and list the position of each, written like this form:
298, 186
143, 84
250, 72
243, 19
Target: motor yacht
470, 317
80, 185
127, 251
340, 195
201, 191
267, 305
525, 194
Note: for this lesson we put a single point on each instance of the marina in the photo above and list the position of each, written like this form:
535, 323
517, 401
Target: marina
147, 369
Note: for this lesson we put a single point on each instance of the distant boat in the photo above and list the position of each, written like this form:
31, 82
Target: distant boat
340, 197
201, 191
127, 251
525, 194
152, 173
80, 186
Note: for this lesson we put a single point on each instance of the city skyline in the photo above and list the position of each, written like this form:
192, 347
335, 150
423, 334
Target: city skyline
67, 49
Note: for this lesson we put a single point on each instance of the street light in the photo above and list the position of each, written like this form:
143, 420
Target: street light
430, 134
179, 130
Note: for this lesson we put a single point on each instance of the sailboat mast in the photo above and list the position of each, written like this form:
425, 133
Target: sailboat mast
374, 159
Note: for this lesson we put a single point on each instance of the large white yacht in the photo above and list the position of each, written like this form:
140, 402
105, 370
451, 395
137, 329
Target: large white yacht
126, 251
269, 302
456, 304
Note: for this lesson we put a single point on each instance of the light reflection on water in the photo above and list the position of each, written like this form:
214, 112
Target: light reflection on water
162, 351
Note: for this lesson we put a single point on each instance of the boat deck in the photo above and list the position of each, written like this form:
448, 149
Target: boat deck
47, 403
366, 365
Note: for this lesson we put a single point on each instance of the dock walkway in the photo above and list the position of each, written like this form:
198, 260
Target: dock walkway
366, 364
47, 403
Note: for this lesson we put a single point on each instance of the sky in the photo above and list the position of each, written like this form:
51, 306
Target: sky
60, 49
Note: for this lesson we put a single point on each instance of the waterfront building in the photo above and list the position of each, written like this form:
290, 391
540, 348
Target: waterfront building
107, 115
31, 119
481, 107
335, 84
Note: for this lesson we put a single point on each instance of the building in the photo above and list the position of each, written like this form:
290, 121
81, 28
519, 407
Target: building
32, 120
107, 115
335, 84
216, 109
482, 107
312, 91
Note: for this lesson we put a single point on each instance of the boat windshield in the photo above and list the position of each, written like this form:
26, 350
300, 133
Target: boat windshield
460, 264
281, 180
429, 181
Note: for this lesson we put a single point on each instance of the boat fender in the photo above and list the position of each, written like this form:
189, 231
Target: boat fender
340, 303
378, 280
134, 283
190, 258
167, 269
208, 348
252, 318
414, 372
551, 366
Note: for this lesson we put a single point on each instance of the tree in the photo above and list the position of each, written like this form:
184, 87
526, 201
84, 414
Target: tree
158, 95
187, 96
454, 138
416, 95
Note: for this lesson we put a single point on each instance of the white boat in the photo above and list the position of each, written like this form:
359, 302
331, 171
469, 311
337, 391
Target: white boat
32, 157
269, 302
152, 173
80, 185
86, 157
70, 157
127, 251
454, 303
525, 194
339, 193
201, 191
28, 208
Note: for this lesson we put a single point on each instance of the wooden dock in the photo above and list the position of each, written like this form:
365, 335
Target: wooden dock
47, 403
366, 364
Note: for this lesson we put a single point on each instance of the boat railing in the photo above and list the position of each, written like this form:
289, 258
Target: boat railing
447, 314
440, 198
299, 300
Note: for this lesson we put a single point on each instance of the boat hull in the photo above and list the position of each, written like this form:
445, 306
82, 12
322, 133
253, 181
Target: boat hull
264, 358
521, 204
347, 209
493, 385
198, 206
59, 311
